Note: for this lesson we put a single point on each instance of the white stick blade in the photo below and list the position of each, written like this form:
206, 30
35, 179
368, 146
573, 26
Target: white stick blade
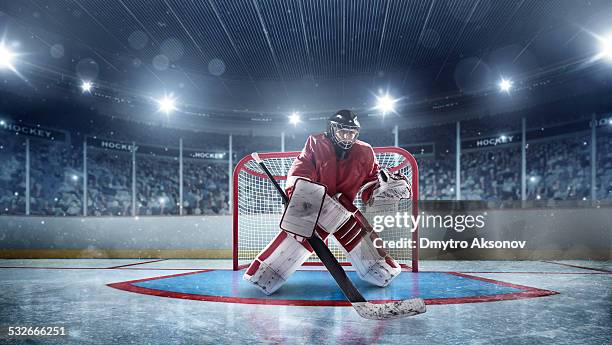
391, 310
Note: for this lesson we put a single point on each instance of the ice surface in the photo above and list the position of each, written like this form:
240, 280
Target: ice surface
97, 314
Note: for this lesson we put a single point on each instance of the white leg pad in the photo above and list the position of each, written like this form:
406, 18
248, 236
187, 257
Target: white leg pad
275, 264
372, 264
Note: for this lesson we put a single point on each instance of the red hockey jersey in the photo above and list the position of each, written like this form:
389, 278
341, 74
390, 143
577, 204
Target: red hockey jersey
319, 163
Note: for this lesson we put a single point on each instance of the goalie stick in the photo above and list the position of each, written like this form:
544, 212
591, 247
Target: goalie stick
368, 310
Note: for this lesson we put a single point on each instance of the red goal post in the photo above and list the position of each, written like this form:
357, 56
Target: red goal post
257, 207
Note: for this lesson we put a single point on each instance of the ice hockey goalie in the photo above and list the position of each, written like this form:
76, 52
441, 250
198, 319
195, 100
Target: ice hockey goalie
346, 166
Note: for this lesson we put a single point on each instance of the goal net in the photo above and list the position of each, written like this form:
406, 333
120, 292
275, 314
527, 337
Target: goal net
257, 207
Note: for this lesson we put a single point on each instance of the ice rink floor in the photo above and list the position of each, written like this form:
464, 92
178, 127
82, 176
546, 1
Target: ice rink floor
76, 294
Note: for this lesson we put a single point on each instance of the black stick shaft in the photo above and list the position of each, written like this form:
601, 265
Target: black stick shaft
335, 269
323, 252
279, 189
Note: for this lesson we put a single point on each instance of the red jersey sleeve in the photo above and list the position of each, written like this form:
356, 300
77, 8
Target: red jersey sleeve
303, 165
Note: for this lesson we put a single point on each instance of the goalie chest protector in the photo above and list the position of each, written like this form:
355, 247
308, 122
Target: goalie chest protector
319, 163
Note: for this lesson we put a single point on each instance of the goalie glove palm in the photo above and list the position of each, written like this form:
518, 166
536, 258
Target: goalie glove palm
391, 187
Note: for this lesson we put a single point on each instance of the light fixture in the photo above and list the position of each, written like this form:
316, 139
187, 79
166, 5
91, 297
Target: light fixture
166, 104
505, 85
86, 86
606, 47
294, 118
6, 57
385, 103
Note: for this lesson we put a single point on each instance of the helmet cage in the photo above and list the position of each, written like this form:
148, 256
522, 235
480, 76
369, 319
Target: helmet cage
344, 144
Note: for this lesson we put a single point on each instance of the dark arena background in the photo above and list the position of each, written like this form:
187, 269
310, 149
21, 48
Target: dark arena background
130, 206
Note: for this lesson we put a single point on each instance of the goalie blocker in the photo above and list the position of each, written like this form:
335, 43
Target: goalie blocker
287, 252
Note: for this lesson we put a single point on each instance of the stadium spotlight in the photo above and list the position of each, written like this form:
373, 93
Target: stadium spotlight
294, 118
86, 86
505, 85
6, 57
606, 47
385, 104
166, 104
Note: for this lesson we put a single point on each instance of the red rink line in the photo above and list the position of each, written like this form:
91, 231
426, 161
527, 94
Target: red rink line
163, 277
103, 268
200, 269
56, 268
521, 272
466, 272
136, 263
243, 266
527, 292
583, 267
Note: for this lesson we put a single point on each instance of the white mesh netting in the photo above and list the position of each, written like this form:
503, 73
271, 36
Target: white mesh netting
259, 207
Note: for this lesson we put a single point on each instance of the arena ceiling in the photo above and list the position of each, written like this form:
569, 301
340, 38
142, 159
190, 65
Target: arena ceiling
266, 58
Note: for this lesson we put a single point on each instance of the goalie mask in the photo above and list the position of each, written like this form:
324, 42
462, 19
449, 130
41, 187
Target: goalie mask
343, 129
